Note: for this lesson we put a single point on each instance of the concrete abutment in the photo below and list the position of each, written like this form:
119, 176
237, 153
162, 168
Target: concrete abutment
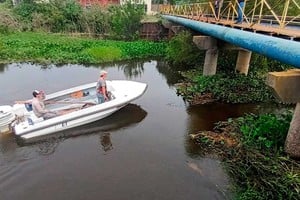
292, 142
212, 47
243, 61
286, 87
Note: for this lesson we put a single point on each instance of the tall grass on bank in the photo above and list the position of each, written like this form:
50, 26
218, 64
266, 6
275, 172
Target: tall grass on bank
251, 148
259, 167
50, 48
118, 22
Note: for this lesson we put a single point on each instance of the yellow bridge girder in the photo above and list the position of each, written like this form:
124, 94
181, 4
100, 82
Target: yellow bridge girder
254, 12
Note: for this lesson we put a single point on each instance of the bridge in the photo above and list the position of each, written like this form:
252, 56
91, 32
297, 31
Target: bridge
267, 27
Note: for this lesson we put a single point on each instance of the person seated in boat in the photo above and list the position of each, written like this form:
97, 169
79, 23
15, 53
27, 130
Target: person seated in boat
38, 106
101, 90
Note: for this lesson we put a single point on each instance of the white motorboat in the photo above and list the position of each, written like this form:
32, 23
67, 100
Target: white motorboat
80, 104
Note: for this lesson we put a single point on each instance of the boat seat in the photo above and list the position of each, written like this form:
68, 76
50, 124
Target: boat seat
32, 119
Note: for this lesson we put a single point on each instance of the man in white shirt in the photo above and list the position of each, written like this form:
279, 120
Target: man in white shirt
38, 106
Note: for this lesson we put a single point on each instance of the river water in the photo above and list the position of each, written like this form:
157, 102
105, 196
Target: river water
141, 152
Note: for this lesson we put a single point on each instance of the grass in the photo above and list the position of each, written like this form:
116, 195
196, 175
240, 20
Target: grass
51, 48
253, 157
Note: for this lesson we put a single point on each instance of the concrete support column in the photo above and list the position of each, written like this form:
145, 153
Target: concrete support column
209, 44
286, 86
292, 143
173, 28
210, 62
243, 61
170, 34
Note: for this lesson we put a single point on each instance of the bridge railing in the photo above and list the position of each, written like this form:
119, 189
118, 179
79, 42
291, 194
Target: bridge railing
280, 12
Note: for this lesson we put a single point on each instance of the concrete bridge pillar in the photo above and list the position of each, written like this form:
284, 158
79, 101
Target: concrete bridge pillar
173, 28
286, 86
292, 143
212, 46
211, 56
243, 61
210, 62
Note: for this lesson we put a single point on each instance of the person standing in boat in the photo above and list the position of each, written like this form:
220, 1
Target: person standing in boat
101, 89
38, 106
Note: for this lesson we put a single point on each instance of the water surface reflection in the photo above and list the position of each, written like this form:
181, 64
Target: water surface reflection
124, 118
137, 153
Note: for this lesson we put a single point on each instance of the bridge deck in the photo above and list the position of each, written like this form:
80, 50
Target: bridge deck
289, 32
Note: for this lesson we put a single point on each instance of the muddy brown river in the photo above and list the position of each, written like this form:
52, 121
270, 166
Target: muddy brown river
141, 152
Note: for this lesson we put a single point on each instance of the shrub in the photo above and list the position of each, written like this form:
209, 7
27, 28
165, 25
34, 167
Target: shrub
267, 131
57, 15
125, 21
233, 88
95, 20
181, 51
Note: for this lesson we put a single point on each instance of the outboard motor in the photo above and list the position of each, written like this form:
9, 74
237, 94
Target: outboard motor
7, 116
20, 110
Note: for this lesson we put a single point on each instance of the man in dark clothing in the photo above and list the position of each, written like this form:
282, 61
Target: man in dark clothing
218, 6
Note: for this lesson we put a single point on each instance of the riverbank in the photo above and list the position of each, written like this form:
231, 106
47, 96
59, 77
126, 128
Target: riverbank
58, 49
251, 149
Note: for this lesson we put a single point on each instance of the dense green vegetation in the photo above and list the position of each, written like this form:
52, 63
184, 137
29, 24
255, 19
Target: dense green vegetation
251, 148
181, 51
116, 21
229, 88
260, 168
266, 132
23, 31
226, 85
45, 48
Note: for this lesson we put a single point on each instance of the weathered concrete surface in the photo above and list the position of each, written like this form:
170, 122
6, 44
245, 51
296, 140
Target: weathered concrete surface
204, 42
243, 61
173, 28
292, 143
212, 46
211, 56
168, 24
210, 62
177, 29
285, 85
